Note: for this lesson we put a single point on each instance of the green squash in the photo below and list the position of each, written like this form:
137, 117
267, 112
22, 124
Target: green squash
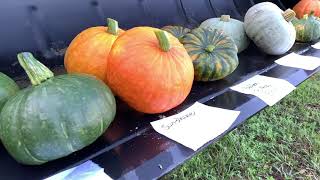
270, 28
231, 27
177, 31
8, 88
214, 53
307, 28
56, 116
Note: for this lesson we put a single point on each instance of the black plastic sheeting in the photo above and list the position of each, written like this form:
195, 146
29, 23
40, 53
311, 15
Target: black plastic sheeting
47, 27
130, 149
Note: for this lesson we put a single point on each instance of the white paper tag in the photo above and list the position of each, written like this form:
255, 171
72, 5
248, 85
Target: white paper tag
270, 90
86, 171
316, 46
299, 61
196, 125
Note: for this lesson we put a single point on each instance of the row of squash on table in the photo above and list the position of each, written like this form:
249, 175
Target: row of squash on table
150, 69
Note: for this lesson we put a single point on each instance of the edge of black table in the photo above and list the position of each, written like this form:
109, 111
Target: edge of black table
131, 149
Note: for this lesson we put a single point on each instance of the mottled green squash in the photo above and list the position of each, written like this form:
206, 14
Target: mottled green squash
270, 28
177, 31
8, 88
56, 116
307, 28
231, 27
214, 53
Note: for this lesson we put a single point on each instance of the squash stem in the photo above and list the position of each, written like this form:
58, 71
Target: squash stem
163, 40
225, 18
113, 26
36, 71
288, 15
312, 13
210, 48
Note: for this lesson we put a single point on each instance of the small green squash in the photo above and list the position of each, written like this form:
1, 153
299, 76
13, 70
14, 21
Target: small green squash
214, 53
270, 28
231, 27
307, 28
56, 116
8, 88
177, 31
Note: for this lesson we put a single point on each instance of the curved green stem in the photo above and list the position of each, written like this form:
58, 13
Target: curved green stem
113, 26
163, 40
36, 71
210, 48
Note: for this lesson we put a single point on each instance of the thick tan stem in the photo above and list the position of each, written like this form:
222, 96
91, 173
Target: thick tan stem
225, 18
288, 15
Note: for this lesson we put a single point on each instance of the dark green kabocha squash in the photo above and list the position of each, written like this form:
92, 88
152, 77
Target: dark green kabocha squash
8, 88
56, 116
307, 28
214, 54
177, 31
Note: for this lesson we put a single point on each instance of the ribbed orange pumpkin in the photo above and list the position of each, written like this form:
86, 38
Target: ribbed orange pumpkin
150, 70
306, 7
88, 52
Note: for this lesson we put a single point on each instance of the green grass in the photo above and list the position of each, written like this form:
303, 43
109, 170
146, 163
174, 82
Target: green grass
280, 142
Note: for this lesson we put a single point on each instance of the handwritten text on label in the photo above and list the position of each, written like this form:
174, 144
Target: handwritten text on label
268, 89
196, 125
178, 120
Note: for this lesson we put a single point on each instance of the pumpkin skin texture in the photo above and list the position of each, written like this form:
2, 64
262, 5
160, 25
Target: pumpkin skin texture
150, 75
88, 52
214, 53
177, 31
231, 27
55, 117
8, 88
270, 28
307, 28
307, 7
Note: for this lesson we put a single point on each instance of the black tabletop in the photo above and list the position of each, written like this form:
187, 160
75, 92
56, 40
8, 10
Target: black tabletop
131, 149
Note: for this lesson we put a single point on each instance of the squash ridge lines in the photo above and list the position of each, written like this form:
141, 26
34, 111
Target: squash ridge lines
22, 100
63, 124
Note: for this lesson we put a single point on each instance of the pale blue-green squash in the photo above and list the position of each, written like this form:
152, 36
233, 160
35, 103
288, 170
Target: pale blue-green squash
270, 28
230, 27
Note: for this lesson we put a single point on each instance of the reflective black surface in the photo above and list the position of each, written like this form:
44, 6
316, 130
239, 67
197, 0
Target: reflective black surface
46, 27
130, 149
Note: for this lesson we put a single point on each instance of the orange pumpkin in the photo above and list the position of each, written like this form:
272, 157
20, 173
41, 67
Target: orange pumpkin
306, 7
89, 50
150, 70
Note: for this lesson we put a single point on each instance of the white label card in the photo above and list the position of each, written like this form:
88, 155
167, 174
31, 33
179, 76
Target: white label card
299, 61
196, 125
86, 171
316, 46
270, 90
